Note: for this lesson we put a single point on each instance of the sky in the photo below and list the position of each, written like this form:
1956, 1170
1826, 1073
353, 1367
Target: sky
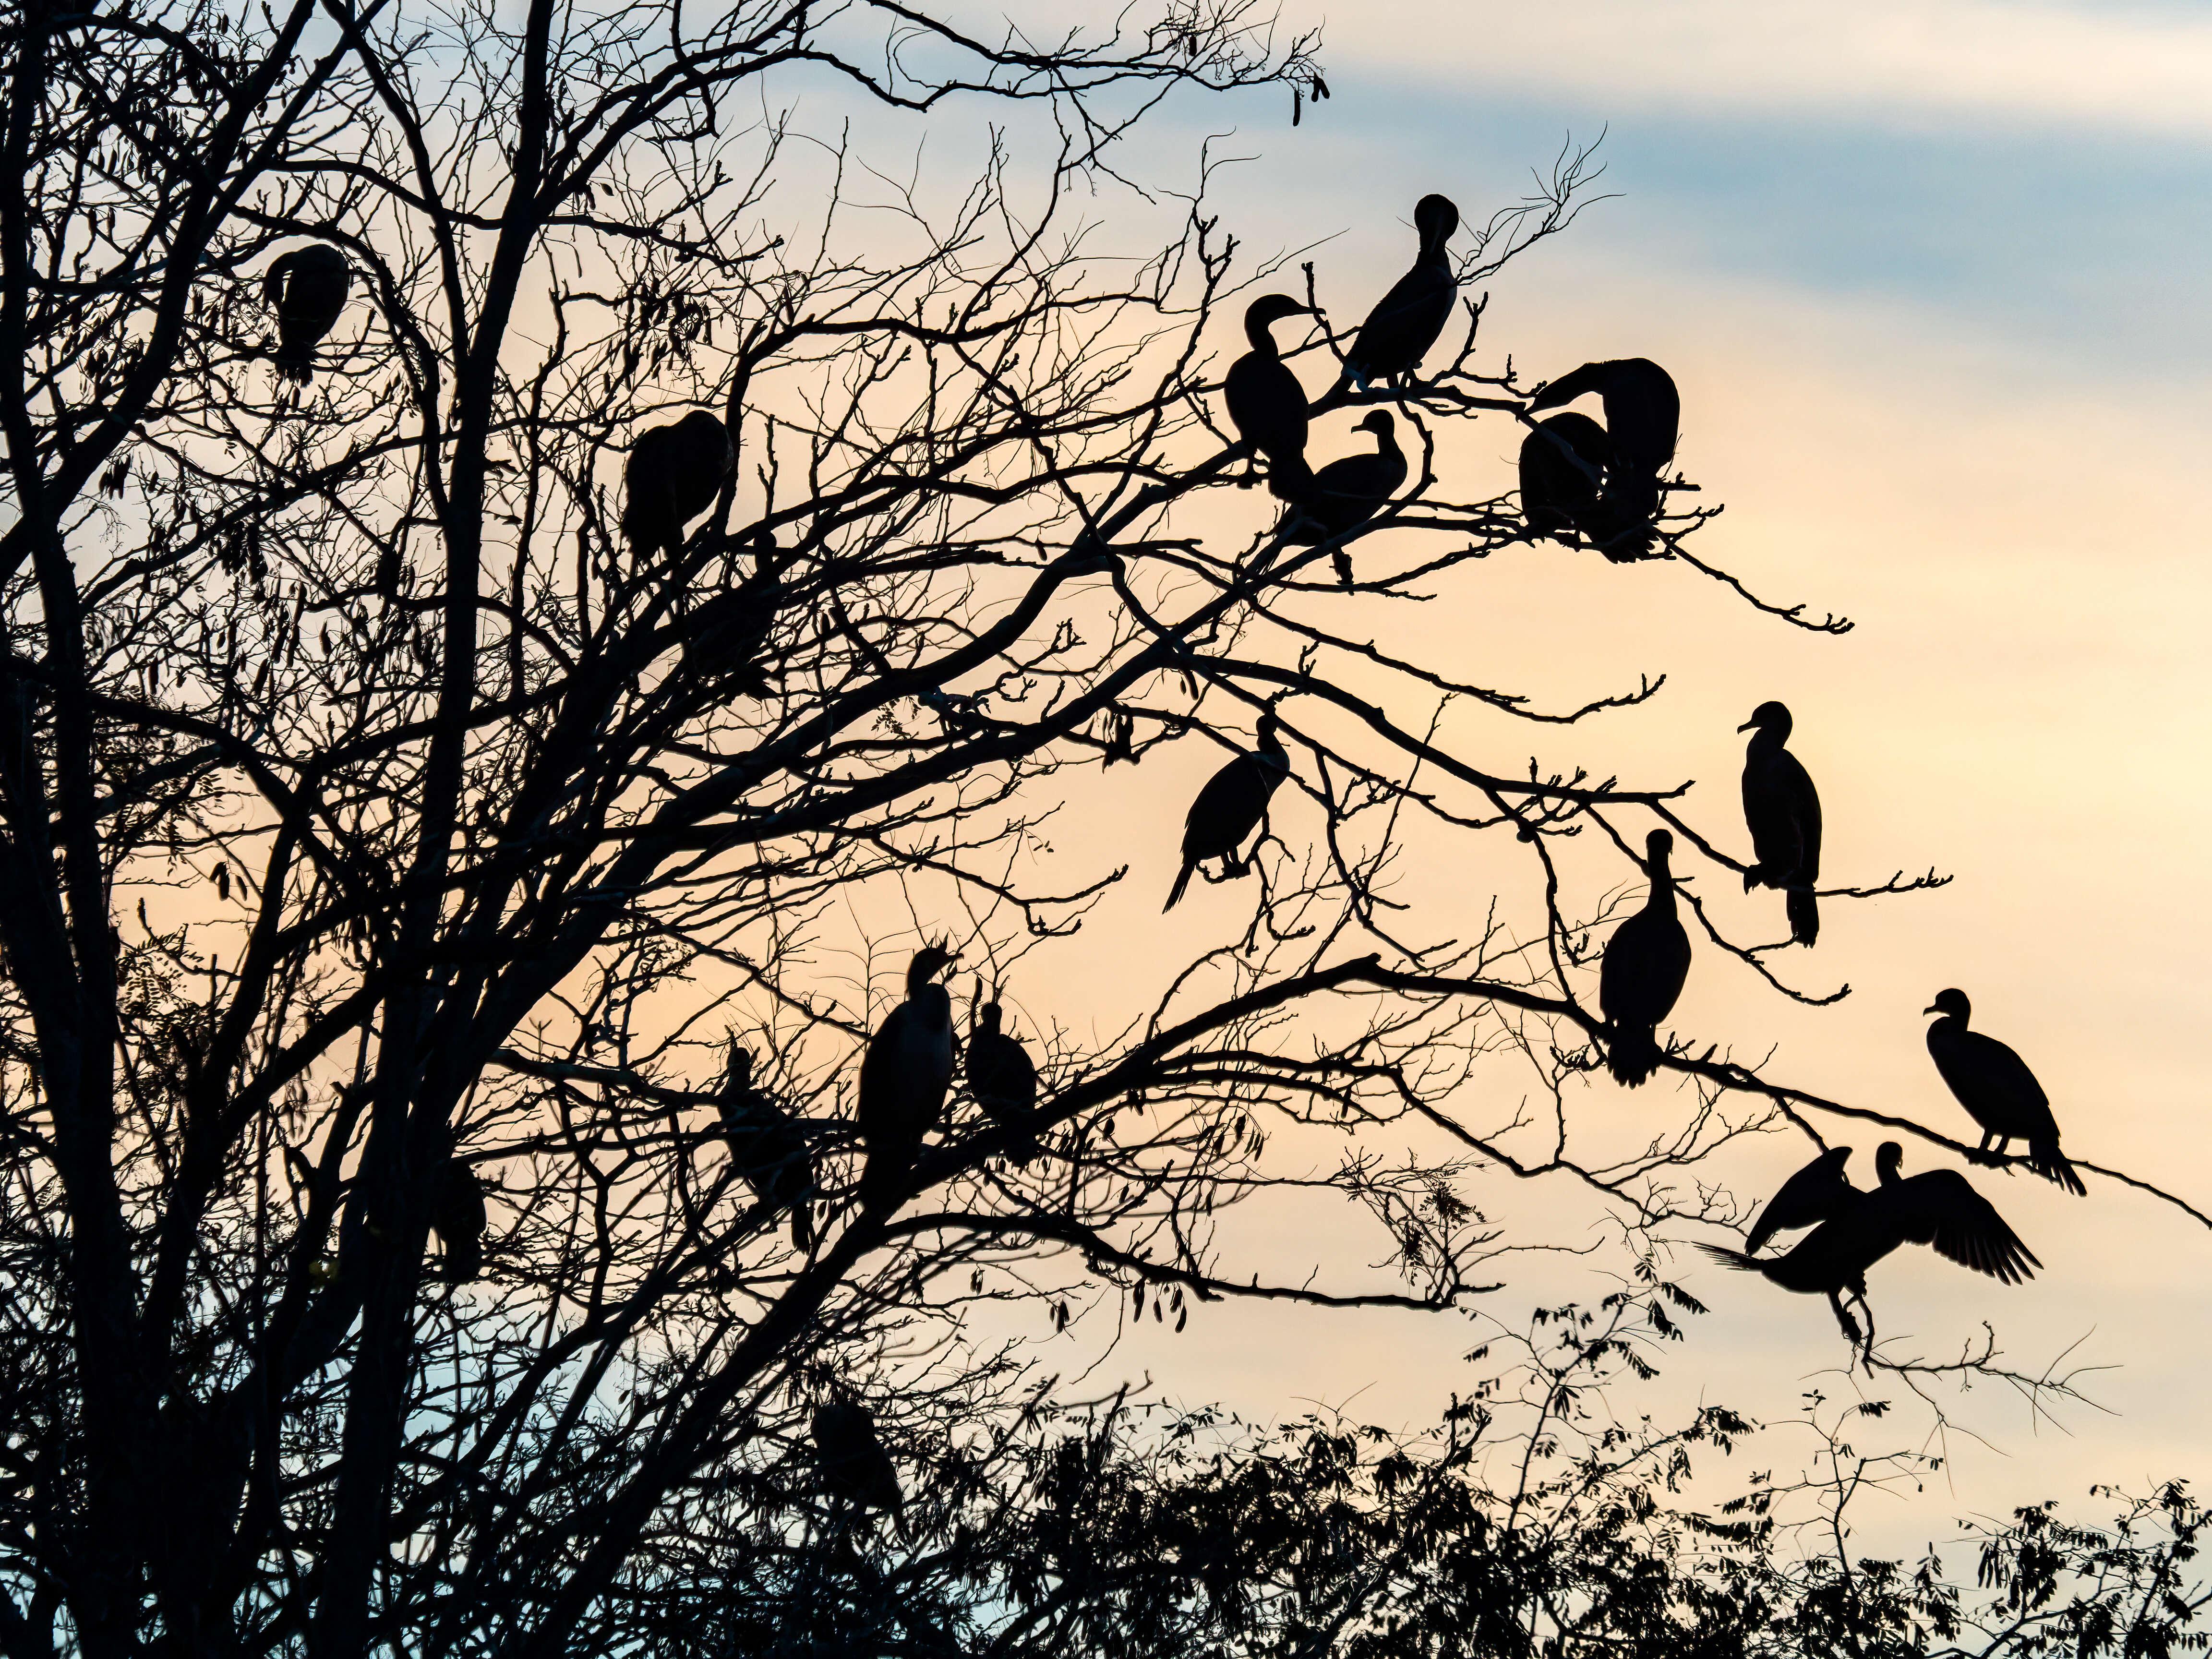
1930, 277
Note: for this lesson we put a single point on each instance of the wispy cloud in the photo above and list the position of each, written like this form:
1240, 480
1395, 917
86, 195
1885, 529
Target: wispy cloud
1911, 59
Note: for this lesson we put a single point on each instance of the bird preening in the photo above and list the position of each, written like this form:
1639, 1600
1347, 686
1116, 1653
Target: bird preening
1646, 964
307, 288
1231, 806
1998, 1090
904, 1076
1563, 462
673, 474
1267, 405
1642, 422
1852, 1230
1783, 811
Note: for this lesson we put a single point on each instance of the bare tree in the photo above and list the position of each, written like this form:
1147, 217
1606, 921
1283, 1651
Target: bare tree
420, 828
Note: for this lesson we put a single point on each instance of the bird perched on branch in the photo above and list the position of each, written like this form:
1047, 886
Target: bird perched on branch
1003, 1078
723, 637
458, 1216
673, 474
1937, 1207
1783, 811
1346, 492
1643, 423
1817, 1192
1646, 963
1997, 1089
766, 1146
1230, 805
905, 1076
1406, 322
1563, 462
850, 1458
307, 289
1267, 405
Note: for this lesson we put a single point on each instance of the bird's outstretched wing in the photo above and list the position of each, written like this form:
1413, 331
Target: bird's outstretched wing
1940, 1208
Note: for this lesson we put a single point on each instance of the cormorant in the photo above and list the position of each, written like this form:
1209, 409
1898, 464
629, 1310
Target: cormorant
1997, 1089
766, 1146
1646, 961
457, 1217
1267, 405
1003, 1078
1347, 492
850, 1458
672, 475
1784, 812
1231, 806
1937, 1207
1401, 328
722, 638
1643, 419
307, 289
904, 1077
1819, 1192
1556, 495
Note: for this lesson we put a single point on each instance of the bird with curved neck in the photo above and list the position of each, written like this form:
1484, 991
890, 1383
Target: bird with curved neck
1643, 423
307, 288
1563, 462
1003, 1078
1646, 964
1938, 1207
1998, 1090
1783, 811
673, 474
1407, 320
1267, 405
1346, 492
904, 1076
1231, 806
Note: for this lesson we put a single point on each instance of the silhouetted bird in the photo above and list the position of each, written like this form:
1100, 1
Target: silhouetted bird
723, 637
1817, 1192
673, 474
1997, 1089
1643, 419
1784, 812
1003, 1079
1347, 492
1646, 961
1937, 1207
1231, 806
904, 1078
1267, 405
458, 1217
850, 1458
1557, 495
387, 574
1401, 328
767, 1147
307, 289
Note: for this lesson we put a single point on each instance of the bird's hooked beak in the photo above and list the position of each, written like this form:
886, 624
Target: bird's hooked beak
1932, 1009
1749, 725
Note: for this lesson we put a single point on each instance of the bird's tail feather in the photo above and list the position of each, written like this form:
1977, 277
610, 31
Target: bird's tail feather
1182, 880
2047, 1161
1804, 916
1742, 1261
1634, 1055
